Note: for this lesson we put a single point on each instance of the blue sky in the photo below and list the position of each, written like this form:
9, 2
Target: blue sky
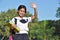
46, 8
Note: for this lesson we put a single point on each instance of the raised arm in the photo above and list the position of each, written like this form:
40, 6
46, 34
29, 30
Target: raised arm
33, 5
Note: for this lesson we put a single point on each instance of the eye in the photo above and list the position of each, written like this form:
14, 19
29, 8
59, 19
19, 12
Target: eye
22, 10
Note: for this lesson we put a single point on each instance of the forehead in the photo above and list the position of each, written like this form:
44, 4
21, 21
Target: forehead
22, 9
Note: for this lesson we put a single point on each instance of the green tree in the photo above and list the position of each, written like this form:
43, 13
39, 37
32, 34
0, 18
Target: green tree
8, 15
58, 13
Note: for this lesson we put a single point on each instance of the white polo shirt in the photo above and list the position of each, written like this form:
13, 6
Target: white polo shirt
22, 24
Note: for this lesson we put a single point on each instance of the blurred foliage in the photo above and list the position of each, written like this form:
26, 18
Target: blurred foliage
39, 30
58, 13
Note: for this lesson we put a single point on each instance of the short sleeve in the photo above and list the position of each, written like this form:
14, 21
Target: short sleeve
29, 19
12, 21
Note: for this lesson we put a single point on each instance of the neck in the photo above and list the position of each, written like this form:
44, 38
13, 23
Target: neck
20, 16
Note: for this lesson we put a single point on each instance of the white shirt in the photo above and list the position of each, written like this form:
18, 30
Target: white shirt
22, 26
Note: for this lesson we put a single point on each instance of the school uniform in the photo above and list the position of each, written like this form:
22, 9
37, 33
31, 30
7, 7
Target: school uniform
22, 24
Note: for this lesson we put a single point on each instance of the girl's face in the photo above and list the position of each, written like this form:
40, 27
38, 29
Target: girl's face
21, 12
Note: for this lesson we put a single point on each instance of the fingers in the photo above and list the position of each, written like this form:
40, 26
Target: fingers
33, 5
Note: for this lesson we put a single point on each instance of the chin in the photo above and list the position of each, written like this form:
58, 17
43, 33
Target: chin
21, 16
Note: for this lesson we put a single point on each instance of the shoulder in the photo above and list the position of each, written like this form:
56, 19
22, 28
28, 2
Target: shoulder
26, 17
17, 18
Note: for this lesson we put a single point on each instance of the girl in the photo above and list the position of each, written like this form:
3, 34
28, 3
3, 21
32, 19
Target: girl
22, 22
